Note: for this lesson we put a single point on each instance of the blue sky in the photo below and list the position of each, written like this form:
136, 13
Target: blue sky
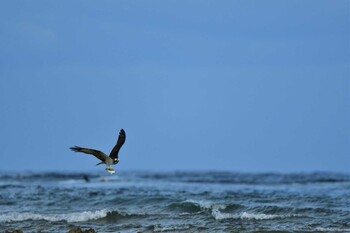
197, 85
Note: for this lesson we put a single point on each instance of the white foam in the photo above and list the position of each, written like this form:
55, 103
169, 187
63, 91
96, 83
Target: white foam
171, 228
218, 215
251, 216
328, 229
70, 217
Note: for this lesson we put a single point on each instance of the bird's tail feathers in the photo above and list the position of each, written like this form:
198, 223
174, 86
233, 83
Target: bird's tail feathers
100, 163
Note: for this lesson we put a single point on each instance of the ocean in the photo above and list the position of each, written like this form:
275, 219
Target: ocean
175, 202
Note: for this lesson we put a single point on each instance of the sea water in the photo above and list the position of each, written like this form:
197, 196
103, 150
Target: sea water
175, 202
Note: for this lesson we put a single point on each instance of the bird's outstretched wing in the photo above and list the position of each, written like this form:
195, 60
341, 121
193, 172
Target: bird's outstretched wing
98, 154
120, 142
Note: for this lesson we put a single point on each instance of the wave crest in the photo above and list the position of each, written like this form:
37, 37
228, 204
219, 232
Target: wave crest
70, 217
244, 215
217, 210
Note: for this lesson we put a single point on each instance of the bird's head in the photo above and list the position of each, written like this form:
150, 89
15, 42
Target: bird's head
115, 160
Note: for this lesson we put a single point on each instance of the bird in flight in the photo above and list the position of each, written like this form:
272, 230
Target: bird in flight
110, 160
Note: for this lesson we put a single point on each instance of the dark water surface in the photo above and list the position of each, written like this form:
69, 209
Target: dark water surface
175, 202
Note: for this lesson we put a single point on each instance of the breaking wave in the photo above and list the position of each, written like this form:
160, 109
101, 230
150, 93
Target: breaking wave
70, 217
219, 211
244, 215
192, 206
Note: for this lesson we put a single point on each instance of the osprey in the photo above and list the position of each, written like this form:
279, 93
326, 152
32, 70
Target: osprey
110, 160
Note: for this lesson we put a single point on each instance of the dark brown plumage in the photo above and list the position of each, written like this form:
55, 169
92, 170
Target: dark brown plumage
120, 142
